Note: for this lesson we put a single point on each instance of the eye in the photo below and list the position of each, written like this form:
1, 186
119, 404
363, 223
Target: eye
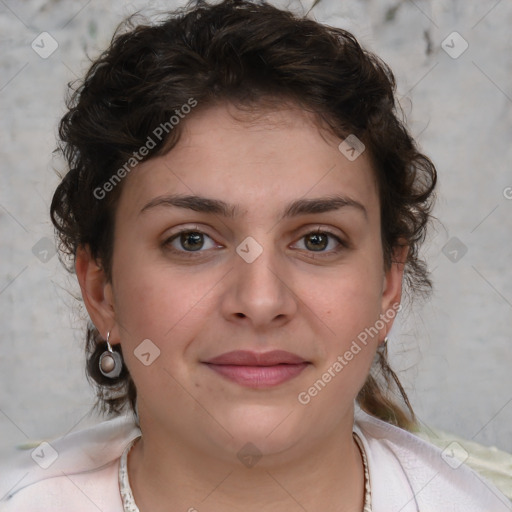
322, 241
189, 240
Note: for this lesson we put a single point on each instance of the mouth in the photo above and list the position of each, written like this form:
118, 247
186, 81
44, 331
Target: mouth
258, 370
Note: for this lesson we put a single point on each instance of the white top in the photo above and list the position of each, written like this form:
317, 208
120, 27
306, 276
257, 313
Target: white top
80, 473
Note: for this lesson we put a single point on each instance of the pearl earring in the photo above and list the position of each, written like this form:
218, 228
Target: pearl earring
111, 363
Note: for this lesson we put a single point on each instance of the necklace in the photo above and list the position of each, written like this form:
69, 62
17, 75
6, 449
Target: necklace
129, 504
367, 503
124, 484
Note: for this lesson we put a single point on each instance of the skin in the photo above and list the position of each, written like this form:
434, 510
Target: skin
309, 302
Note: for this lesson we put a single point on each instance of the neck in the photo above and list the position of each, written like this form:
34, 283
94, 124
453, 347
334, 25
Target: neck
327, 475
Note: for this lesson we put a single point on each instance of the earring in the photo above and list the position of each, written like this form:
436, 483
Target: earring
382, 346
111, 363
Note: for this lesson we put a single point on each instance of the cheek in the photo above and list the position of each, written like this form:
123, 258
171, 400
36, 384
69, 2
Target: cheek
348, 353
349, 308
157, 320
349, 299
156, 303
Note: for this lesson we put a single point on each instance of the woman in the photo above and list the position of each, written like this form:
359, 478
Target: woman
241, 209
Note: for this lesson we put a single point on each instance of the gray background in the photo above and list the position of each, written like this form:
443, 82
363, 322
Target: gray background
454, 354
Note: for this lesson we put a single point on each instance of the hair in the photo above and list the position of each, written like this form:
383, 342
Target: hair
246, 53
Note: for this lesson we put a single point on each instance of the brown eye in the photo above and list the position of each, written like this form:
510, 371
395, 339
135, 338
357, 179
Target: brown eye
317, 241
188, 241
321, 242
192, 240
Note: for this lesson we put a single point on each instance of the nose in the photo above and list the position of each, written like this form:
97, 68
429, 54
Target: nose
259, 293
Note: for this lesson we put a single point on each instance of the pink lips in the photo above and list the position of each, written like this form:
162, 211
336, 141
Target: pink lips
258, 370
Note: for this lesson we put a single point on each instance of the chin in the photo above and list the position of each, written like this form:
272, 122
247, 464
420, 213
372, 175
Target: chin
268, 430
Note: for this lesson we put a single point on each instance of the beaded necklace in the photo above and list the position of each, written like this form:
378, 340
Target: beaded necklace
130, 506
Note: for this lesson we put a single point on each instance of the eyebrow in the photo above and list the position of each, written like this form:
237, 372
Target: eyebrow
219, 207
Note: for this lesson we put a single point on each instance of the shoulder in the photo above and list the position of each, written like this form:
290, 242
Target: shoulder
409, 474
76, 472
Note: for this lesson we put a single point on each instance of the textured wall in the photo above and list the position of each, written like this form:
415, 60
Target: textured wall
455, 354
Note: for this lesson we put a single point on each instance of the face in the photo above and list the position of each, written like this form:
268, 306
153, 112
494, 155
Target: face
278, 250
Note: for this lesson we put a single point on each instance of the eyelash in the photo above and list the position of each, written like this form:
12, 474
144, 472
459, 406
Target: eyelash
192, 254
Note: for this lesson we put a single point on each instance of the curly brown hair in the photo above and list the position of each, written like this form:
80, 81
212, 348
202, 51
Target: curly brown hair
246, 53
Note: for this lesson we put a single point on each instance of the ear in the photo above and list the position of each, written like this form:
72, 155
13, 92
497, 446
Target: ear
97, 293
392, 288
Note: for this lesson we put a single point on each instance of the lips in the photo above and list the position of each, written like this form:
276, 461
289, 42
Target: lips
258, 370
247, 358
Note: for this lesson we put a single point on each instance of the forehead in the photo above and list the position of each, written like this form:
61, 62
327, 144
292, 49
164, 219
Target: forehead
255, 160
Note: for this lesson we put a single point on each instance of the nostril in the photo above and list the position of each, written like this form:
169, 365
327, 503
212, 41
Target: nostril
240, 315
